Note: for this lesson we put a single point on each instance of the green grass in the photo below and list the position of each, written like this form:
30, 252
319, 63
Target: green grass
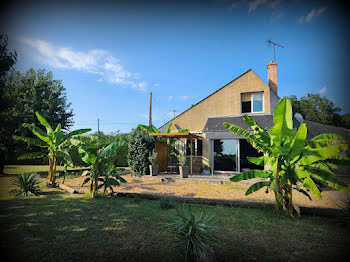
56, 226
19, 169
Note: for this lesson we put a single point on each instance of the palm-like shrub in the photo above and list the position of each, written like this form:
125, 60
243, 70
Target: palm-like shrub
110, 179
294, 160
26, 184
194, 234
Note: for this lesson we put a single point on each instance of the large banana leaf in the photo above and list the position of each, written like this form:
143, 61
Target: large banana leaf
259, 132
46, 124
338, 160
257, 186
310, 184
168, 127
40, 134
149, 129
313, 155
76, 132
328, 136
327, 178
66, 157
58, 135
250, 174
257, 160
298, 143
282, 117
261, 146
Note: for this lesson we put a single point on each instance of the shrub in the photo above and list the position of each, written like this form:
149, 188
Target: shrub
27, 184
166, 203
153, 158
194, 234
182, 160
140, 145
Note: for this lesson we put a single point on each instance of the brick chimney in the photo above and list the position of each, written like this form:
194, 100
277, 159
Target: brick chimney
272, 75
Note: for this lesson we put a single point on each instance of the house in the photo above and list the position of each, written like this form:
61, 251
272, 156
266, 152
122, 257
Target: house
247, 94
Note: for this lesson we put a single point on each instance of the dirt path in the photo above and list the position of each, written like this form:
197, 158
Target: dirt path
330, 198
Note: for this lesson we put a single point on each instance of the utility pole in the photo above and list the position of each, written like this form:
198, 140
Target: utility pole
150, 110
274, 48
174, 112
98, 132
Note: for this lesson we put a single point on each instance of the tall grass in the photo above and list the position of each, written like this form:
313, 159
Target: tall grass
26, 184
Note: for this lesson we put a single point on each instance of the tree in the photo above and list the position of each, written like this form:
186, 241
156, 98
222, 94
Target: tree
318, 109
140, 146
53, 141
25, 94
294, 160
100, 163
7, 60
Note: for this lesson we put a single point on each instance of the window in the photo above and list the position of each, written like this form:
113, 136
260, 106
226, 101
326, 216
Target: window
252, 102
197, 147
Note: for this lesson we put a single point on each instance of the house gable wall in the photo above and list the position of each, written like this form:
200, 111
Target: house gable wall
225, 101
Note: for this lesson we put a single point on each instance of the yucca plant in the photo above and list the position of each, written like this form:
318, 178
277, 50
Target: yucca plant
194, 233
293, 159
26, 184
53, 141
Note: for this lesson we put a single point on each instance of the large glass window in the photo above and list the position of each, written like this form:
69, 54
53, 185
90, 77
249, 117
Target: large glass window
252, 102
225, 155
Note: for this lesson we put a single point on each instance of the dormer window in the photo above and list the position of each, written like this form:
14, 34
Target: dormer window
252, 102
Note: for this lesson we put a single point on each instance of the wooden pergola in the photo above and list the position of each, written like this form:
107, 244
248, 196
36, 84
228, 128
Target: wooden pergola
162, 148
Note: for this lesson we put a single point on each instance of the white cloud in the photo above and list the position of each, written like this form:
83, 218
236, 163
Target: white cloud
253, 5
170, 98
95, 61
185, 97
156, 85
323, 90
312, 14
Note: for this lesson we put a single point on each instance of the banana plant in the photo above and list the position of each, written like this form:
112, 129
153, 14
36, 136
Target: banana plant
153, 129
110, 179
99, 161
294, 161
54, 141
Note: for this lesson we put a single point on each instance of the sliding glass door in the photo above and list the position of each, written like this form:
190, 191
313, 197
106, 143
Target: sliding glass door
225, 154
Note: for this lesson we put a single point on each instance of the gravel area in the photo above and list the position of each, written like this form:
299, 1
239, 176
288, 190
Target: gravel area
330, 198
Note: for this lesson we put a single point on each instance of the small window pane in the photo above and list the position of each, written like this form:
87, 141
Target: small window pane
246, 107
199, 147
257, 102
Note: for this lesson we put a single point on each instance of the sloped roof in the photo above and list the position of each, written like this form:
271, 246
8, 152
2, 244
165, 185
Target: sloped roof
215, 124
162, 128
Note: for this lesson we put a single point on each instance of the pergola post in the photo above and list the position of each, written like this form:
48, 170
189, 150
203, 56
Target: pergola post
191, 155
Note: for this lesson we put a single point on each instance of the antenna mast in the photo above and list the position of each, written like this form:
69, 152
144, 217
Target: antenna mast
274, 47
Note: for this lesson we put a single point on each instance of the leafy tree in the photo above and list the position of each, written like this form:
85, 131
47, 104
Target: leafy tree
7, 60
25, 94
294, 160
53, 141
318, 109
100, 163
140, 146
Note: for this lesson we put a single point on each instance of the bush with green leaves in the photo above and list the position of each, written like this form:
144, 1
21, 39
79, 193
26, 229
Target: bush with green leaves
140, 146
26, 184
153, 158
194, 234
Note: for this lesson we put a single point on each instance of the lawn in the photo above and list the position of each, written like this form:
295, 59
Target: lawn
19, 169
56, 226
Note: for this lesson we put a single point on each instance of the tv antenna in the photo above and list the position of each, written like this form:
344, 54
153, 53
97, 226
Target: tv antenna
274, 47
174, 112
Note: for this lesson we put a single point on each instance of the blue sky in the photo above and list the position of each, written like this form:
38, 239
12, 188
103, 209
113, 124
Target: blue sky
110, 55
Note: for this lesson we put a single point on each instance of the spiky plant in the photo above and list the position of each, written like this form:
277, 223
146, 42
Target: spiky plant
26, 184
194, 234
